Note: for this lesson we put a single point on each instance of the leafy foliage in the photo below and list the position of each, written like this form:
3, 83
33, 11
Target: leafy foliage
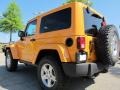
11, 19
87, 2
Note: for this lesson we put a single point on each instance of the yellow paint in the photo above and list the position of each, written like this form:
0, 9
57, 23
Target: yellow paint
27, 50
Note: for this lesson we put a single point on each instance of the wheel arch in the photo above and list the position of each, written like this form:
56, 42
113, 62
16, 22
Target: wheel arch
48, 52
13, 50
59, 50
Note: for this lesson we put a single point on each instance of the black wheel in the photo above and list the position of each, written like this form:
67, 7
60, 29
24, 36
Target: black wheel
50, 74
11, 64
107, 45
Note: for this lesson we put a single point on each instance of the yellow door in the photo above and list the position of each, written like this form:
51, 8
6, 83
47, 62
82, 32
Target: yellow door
26, 46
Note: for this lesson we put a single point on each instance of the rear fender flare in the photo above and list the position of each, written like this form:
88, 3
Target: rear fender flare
61, 49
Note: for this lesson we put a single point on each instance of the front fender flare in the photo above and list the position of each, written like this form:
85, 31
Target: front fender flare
14, 52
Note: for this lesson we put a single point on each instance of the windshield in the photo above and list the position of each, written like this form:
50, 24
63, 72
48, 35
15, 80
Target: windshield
92, 21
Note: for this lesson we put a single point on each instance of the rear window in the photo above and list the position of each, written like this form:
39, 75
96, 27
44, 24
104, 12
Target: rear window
92, 20
56, 21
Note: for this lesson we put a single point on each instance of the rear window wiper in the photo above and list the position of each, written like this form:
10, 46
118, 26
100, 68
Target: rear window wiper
97, 16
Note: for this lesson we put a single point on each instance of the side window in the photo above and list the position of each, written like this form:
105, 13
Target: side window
56, 21
31, 28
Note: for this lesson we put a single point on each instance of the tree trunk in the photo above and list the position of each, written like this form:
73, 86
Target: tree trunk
10, 35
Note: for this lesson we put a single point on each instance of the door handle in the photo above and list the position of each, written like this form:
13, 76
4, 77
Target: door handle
32, 39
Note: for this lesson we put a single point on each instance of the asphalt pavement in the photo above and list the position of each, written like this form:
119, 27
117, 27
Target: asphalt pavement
25, 79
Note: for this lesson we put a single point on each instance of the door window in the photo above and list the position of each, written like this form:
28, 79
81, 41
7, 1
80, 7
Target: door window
31, 28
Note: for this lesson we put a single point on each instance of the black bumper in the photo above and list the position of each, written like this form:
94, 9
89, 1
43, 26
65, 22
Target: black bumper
82, 69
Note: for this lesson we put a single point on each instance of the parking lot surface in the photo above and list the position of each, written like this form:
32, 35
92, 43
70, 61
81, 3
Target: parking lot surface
25, 79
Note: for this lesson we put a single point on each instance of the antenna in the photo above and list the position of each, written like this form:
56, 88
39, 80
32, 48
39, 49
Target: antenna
38, 13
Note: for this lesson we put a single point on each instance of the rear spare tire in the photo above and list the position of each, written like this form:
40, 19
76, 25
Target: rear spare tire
107, 45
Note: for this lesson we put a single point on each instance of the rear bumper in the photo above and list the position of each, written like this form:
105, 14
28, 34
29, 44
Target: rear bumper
82, 69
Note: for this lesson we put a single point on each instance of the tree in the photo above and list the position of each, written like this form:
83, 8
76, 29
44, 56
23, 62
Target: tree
87, 2
11, 20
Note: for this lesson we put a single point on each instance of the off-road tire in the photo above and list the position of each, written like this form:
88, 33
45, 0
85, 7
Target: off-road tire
12, 65
60, 77
104, 42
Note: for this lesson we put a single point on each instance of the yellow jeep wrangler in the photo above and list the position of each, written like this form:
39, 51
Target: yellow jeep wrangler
72, 40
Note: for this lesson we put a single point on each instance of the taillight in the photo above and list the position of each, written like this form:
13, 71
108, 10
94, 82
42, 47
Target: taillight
104, 23
81, 43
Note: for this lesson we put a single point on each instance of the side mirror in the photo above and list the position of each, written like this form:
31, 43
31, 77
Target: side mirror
21, 34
